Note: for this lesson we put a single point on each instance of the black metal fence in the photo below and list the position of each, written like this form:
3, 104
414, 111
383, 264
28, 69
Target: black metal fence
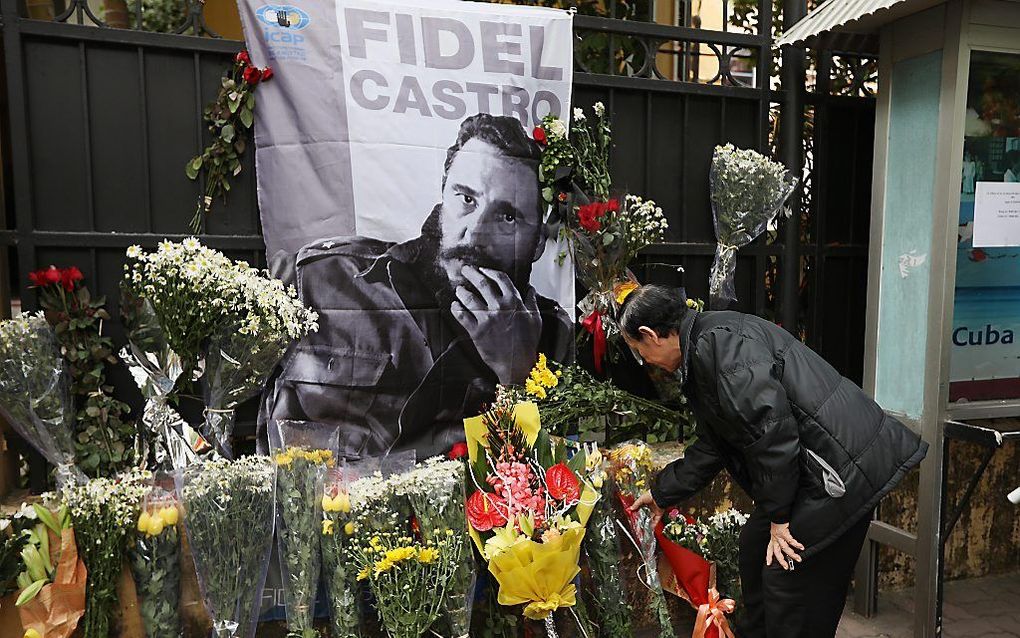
98, 123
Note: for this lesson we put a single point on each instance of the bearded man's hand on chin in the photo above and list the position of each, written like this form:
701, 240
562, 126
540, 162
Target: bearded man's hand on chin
504, 327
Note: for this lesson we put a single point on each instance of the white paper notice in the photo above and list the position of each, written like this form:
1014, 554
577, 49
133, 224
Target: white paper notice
997, 214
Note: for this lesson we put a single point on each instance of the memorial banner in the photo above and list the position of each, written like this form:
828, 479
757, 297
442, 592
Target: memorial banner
398, 188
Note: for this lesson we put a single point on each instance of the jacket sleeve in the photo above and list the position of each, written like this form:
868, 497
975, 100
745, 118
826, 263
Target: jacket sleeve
753, 400
682, 478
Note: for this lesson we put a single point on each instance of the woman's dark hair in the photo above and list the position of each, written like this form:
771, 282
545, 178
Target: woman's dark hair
658, 307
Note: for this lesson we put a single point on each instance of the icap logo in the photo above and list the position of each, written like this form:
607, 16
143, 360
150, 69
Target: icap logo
283, 16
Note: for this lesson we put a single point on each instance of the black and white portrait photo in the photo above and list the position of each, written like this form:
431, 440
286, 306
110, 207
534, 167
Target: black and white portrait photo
415, 335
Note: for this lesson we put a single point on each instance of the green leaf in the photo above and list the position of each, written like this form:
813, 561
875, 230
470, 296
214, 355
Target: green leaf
608, 239
227, 134
250, 101
246, 117
190, 171
30, 592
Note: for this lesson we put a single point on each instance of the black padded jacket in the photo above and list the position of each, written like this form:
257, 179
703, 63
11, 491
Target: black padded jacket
809, 446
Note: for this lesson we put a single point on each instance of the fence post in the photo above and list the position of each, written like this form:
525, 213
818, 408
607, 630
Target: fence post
791, 131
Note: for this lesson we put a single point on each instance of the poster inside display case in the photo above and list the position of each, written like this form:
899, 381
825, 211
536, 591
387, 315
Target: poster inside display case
985, 363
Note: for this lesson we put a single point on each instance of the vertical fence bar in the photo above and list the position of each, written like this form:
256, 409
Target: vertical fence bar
791, 144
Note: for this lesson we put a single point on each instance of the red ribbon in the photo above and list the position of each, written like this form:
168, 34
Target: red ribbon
593, 324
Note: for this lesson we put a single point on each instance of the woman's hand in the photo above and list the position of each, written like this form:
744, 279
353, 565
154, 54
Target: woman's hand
782, 545
646, 500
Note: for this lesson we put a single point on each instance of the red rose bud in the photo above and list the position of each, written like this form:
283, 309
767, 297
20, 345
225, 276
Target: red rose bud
539, 134
267, 74
484, 511
459, 450
242, 58
562, 483
252, 75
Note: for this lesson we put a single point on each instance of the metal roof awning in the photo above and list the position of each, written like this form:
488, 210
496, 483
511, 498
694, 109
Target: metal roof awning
849, 25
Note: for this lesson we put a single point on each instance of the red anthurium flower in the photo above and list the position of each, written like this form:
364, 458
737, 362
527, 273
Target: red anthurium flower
70, 275
252, 75
562, 483
458, 450
539, 134
485, 511
242, 58
267, 74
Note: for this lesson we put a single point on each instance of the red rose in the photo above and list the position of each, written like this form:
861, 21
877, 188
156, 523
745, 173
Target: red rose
242, 58
458, 450
252, 75
485, 511
562, 483
539, 134
70, 275
688, 519
51, 275
267, 74
588, 216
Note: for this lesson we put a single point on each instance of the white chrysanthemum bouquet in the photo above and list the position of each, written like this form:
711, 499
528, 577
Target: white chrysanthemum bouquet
748, 191
193, 313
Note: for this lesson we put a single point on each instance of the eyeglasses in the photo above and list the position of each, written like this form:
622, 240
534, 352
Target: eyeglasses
637, 356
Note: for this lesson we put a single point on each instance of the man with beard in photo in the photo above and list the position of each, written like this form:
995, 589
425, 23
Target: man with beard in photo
414, 336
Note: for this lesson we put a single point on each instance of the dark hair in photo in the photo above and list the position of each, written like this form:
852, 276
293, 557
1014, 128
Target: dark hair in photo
658, 307
505, 133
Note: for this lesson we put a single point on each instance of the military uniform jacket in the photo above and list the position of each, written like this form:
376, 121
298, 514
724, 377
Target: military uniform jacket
388, 365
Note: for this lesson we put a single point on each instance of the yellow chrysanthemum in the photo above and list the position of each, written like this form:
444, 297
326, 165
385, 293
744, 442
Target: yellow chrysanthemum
383, 566
349, 529
365, 572
399, 554
284, 459
327, 527
428, 556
